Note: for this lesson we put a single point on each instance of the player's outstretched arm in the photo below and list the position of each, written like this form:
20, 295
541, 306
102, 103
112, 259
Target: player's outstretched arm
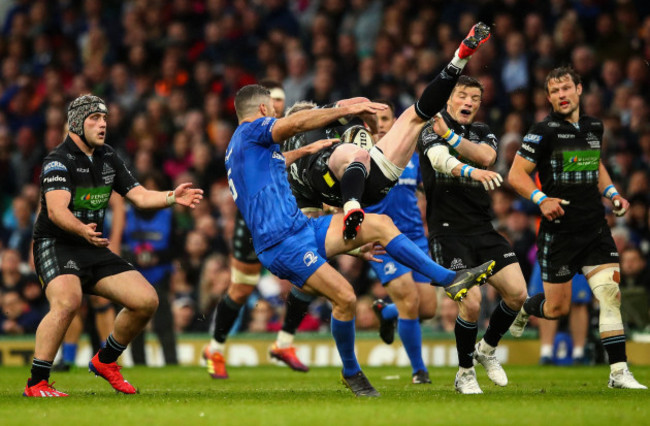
290, 157
608, 190
519, 178
184, 195
305, 120
482, 154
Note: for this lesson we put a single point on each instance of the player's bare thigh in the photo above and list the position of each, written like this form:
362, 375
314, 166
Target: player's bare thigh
558, 299
399, 143
328, 282
130, 289
375, 228
343, 155
511, 285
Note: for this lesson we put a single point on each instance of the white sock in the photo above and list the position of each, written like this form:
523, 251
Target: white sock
462, 370
546, 351
578, 352
618, 366
457, 62
284, 339
217, 347
350, 205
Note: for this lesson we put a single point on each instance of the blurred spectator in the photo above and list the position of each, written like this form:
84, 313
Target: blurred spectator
16, 317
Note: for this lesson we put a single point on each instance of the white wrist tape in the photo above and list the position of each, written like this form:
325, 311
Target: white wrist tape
610, 192
537, 197
441, 160
170, 199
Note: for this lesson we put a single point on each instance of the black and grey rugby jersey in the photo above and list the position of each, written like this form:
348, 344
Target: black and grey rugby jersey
89, 183
455, 204
568, 157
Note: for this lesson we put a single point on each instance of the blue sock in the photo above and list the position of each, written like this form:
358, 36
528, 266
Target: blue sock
411, 335
409, 254
389, 311
343, 332
69, 353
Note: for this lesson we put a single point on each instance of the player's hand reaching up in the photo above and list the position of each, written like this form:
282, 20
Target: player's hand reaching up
552, 208
313, 148
490, 180
188, 196
439, 125
365, 107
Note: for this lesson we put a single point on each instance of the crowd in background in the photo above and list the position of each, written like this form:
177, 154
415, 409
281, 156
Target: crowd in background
169, 70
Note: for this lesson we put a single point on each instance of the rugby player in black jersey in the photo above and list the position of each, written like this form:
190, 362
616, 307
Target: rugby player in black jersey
70, 255
573, 236
455, 153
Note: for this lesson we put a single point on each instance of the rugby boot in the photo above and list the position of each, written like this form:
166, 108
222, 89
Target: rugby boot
359, 385
42, 389
288, 356
386, 326
479, 34
111, 373
216, 364
489, 361
519, 324
421, 377
352, 223
466, 382
468, 278
623, 379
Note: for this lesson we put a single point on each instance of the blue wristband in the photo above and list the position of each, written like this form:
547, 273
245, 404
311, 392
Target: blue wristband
541, 199
451, 135
466, 170
458, 139
532, 195
610, 192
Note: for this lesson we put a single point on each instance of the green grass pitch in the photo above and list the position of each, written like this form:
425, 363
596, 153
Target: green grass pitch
277, 396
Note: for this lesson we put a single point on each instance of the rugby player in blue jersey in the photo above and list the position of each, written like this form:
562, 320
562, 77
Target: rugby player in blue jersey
294, 247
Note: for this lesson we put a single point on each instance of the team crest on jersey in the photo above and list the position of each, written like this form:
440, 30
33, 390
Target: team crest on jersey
107, 169
71, 265
389, 268
472, 136
457, 264
71, 157
309, 258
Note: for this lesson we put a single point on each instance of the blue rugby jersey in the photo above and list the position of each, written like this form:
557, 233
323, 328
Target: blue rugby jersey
401, 203
258, 182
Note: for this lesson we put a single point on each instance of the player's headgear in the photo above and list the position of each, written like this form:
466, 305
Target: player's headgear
80, 109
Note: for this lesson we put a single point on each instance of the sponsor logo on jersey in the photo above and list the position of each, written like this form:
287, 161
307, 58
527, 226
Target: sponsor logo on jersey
278, 156
457, 264
613, 254
71, 157
532, 138
407, 181
507, 255
580, 161
53, 166
309, 258
71, 265
596, 123
108, 179
92, 198
563, 271
566, 136
410, 165
528, 148
82, 170
553, 124
389, 268
54, 179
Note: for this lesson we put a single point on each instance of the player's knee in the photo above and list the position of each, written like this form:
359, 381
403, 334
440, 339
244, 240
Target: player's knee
470, 308
67, 305
148, 302
604, 285
515, 300
426, 309
239, 293
554, 311
380, 225
346, 301
361, 156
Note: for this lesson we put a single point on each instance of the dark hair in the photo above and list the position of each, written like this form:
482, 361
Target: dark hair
467, 81
560, 72
386, 102
248, 98
270, 84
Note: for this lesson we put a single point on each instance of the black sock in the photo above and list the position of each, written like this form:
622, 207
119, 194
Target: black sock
40, 371
615, 347
466, 333
296, 311
435, 95
227, 312
112, 351
500, 321
353, 182
535, 305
